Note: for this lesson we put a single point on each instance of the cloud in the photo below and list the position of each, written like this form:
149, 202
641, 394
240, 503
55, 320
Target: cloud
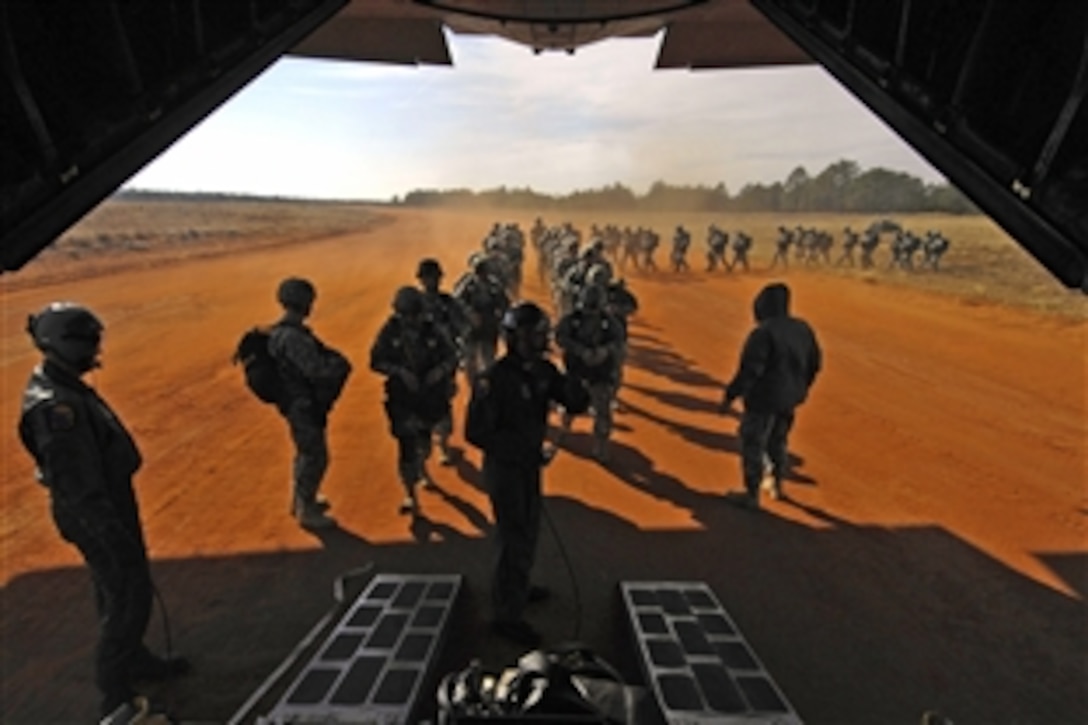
504, 116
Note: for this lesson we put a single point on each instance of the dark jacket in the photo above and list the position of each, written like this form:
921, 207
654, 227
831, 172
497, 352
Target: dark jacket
85, 457
780, 358
508, 413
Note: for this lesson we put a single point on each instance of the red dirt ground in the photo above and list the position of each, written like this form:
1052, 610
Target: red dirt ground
931, 555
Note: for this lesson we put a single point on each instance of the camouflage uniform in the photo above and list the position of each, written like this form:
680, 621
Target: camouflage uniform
86, 458
313, 376
621, 304
448, 317
420, 349
484, 301
591, 340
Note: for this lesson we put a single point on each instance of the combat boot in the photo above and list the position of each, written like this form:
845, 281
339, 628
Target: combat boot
743, 500
445, 455
600, 450
409, 505
313, 516
565, 422
320, 503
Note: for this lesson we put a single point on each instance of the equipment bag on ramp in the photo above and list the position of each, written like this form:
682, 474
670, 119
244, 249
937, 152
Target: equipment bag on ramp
565, 684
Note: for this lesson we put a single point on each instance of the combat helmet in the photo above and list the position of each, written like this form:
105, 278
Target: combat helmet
599, 275
408, 302
429, 267
526, 322
296, 293
68, 331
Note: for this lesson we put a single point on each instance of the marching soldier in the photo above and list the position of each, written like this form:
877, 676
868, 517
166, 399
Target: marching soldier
778, 365
716, 242
448, 317
418, 360
590, 339
742, 243
484, 300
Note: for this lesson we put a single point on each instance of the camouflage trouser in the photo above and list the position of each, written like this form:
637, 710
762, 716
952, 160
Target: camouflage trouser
413, 443
600, 398
311, 450
600, 401
763, 435
412, 450
617, 375
444, 427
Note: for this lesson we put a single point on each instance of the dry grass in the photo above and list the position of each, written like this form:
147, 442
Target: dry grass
122, 233
983, 266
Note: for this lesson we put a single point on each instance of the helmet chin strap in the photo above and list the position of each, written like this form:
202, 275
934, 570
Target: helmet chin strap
76, 368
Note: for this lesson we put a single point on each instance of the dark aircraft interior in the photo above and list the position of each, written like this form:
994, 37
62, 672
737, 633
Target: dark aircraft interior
990, 92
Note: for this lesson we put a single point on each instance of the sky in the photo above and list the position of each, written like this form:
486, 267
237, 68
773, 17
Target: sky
502, 116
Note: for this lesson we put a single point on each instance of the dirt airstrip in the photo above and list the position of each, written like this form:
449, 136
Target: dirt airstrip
931, 553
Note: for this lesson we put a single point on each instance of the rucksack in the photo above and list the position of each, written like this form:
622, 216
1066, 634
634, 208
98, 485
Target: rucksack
261, 369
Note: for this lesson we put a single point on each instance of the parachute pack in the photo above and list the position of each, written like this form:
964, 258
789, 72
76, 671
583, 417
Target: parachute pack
261, 370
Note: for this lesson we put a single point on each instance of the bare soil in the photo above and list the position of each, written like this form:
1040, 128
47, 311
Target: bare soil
931, 553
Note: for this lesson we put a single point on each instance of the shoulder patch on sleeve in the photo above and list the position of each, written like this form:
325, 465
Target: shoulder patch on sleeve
61, 417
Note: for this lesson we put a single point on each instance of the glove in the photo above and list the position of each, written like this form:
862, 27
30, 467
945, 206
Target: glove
434, 377
409, 379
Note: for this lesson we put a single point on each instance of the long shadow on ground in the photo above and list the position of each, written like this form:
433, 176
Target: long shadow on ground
857, 624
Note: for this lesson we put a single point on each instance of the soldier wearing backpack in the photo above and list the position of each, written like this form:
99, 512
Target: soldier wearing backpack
448, 316
484, 300
312, 376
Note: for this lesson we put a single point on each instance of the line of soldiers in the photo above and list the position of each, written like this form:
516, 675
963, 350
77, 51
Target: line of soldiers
813, 246
717, 245
593, 309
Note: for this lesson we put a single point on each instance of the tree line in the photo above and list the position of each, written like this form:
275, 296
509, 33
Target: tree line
841, 187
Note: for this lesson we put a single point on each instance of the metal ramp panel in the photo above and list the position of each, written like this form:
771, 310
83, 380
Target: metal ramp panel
373, 663
696, 660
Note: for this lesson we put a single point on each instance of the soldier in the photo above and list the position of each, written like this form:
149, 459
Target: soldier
850, 240
313, 376
778, 365
716, 242
621, 304
933, 248
507, 419
418, 361
484, 300
590, 339
448, 317
86, 459
782, 248
869, 242
681, 241
742, 243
